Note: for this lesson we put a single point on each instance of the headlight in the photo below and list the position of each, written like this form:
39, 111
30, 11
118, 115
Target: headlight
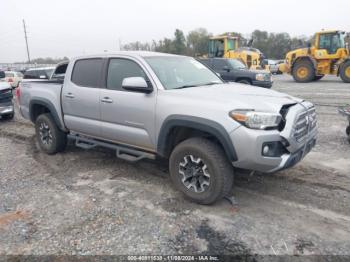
256, 120
260, 77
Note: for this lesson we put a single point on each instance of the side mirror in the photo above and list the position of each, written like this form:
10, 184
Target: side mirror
308, 45
137, 84
226, 68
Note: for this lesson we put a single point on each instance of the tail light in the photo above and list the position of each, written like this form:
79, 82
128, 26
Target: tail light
18, 92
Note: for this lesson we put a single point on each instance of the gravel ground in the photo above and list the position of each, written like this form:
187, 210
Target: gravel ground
90, 203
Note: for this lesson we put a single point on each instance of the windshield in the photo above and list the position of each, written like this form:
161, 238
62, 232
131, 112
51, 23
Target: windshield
9, 74
180, 72
236, 64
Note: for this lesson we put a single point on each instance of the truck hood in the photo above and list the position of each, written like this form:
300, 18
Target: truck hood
238, 96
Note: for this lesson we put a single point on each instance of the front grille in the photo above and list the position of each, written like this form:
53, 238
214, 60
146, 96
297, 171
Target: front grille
284, 110
305, 123
5, 95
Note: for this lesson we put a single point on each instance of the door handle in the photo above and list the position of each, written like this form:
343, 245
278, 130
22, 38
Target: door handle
106, 100
69, 95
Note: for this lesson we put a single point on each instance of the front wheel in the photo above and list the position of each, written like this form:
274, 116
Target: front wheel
345, 72
200, 169
244, 81
50, 138
347, 130
303, 72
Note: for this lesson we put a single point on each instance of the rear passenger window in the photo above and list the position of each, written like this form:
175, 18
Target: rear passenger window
87, 72
118, 69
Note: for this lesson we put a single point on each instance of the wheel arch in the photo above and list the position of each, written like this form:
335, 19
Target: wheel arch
305, 58
244, 78
176, 123
41, 106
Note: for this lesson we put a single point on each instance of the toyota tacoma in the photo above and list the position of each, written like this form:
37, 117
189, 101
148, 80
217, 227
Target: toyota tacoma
149, 105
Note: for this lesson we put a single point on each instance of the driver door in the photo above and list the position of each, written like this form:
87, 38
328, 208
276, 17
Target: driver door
127, 117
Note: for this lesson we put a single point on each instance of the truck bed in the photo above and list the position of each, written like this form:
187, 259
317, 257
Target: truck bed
45, 91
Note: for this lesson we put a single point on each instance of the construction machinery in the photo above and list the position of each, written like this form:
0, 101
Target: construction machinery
329, 54
228, 47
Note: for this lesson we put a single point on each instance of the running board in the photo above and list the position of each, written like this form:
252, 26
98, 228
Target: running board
126, 153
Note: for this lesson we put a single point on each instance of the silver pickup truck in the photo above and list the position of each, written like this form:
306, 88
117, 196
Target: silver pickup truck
148, 105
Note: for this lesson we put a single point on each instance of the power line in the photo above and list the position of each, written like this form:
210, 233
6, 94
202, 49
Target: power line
26, 38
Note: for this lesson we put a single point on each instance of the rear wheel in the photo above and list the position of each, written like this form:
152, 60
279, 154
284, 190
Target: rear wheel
345, 72
200, 169
50, 138
303, 72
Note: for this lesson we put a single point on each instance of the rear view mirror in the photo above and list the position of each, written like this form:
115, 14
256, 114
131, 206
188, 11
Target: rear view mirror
137, 84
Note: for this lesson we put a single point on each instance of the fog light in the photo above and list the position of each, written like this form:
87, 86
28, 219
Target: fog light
266, 150
273, 149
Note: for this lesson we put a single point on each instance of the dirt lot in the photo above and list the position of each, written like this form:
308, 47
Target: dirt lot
89, 202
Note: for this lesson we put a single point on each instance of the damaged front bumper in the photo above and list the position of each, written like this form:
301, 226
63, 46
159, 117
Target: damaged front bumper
269, 151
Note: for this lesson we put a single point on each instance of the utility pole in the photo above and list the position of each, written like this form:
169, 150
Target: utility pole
26, 38
120, 44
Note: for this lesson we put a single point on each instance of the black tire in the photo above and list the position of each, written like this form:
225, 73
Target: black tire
345, 72
244, 81
8, 116
211, 156
318, 77
56, 138
347, 130
303, 71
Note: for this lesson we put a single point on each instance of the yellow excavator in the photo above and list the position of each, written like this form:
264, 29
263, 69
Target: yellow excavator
228, 47
328, 55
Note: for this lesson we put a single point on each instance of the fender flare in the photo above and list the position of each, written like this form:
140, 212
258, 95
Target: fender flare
311, 59
211, 127
46, 103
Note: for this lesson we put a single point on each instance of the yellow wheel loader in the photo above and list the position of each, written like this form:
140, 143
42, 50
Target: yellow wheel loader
329, 55
228, 47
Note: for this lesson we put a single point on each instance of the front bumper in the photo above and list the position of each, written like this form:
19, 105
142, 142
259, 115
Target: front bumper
266, 84
248, 144
6, 108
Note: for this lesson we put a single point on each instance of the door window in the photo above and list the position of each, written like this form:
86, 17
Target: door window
219, 64
120, 68
30, 75
87, 72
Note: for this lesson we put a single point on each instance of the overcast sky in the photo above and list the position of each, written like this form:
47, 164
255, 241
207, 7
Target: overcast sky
74, 27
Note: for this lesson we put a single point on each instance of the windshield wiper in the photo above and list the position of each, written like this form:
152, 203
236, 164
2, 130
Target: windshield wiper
205, 84
185, 86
